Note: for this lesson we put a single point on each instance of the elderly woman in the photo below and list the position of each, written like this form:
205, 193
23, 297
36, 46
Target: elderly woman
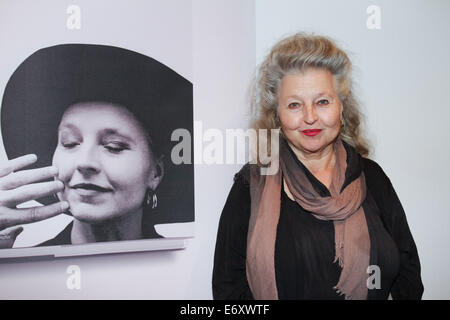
98, 121
329, 218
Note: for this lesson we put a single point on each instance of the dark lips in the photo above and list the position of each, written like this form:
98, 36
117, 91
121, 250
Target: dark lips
90, 186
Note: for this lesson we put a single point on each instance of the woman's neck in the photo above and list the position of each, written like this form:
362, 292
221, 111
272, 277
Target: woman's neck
318, 162
125, 228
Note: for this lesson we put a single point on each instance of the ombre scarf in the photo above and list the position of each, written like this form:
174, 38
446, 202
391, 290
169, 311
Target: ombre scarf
344, 208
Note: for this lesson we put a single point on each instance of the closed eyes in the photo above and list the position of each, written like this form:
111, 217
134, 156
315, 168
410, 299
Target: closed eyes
116, 146
112, 147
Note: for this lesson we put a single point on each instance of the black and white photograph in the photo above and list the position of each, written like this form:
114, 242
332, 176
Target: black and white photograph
98, 121
87, 130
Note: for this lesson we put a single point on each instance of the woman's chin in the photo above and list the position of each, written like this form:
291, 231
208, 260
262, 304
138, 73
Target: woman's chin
314, 146
309, 147
89, 213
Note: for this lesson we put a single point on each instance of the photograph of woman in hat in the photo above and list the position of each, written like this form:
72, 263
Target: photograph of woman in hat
330, 217
96, 123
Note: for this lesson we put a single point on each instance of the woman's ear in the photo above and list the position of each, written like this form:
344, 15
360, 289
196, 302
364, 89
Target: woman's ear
156, 174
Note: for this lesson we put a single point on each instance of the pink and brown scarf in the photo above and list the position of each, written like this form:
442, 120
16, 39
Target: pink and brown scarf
344, 208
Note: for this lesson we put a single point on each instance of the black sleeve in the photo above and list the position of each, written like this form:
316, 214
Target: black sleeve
229, 279
408, 284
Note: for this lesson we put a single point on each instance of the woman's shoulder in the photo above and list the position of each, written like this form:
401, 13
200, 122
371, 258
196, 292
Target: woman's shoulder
373, 172
243, 175
379, 185
236, 211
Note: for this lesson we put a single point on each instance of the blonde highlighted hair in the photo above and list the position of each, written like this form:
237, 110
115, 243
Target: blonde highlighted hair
296, 54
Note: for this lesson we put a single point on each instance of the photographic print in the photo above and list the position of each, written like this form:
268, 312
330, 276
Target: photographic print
97, 136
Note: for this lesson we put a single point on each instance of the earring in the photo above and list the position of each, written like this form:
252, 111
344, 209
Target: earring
153, 199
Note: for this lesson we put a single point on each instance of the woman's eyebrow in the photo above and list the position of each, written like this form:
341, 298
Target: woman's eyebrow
323, 94
295, 97
115, 132
68, 125
315, 96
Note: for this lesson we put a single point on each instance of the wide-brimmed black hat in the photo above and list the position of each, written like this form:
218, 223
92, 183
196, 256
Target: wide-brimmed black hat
54, 78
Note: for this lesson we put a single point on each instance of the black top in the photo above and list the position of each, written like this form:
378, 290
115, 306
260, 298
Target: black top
304, 247
64, 237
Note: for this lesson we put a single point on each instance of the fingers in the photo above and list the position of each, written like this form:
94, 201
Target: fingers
13, 217
20, 178
20, 186
16, 164
11, 198
7, 237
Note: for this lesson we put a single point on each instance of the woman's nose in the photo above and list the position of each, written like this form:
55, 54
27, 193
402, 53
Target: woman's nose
87, 162
310, 114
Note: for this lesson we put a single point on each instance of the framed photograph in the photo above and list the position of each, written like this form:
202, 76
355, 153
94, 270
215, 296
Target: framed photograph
96, 126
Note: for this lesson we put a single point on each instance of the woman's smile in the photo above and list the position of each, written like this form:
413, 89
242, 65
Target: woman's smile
311, 132
89, 189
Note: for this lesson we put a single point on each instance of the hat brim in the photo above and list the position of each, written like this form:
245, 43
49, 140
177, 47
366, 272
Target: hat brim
54, 78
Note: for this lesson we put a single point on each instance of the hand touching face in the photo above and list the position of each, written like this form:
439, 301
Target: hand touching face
18, 186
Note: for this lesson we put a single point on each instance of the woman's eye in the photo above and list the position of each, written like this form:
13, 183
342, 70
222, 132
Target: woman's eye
293, 105
323, 102
69, 145
116, 147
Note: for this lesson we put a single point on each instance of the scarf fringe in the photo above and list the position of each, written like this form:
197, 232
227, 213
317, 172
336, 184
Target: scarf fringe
339, 291
339, 255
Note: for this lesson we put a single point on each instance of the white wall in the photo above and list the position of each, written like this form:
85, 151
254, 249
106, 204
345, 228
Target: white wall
402, 78
223, 59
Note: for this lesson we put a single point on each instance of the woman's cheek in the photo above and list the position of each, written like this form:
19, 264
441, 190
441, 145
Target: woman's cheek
331, 117
124, 172
65, 165
61, 165
290, 121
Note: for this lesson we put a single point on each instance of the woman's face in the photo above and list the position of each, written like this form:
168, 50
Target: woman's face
310, 110
104, 161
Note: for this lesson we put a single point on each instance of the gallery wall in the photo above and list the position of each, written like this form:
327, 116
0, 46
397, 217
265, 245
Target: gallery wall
401, 68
